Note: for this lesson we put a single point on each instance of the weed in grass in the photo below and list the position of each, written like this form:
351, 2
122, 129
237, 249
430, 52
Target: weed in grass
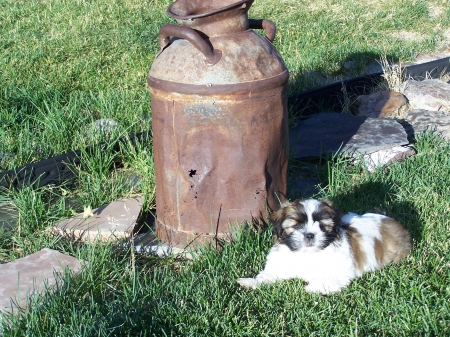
445, 75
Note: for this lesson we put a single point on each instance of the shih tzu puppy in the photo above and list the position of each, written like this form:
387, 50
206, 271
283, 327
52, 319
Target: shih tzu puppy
318, 245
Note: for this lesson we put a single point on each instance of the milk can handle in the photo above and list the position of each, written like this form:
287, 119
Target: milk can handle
212, 55
269, 27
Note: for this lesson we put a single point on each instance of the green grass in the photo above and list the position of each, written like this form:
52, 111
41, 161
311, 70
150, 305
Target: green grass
65, 64
122, 294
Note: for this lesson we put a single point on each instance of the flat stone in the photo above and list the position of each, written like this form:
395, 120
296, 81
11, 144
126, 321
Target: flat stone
380, 103
131, 177
6, 158
433, 95
337, 133
8, 215
113, 221
423, 58
29, 276
373, 67
314, 78
420, 120
384, 157
145, 241
105, 125
148, 243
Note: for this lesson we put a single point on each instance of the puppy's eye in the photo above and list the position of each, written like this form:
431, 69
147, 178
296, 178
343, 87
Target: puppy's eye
326, 226
298, 225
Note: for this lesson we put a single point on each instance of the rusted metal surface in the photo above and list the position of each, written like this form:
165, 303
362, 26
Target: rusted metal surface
268, 26
212, 17
212, 56
219, 107
245, 57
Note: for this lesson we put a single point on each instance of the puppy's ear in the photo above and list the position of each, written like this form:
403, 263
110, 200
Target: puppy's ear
282, 200
334, 212
328, 202
277, 219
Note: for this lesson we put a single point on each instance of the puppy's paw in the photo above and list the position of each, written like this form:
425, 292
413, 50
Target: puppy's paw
313, 288
321, 288
249, 283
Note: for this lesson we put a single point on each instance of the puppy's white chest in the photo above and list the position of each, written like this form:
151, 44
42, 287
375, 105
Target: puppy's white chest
310, 266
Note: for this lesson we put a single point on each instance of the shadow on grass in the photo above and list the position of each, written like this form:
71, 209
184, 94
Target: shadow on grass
173, 298
310, 92
376, 197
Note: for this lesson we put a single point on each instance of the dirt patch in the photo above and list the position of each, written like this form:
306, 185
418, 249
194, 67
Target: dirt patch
446, 34
435, 11
407, 35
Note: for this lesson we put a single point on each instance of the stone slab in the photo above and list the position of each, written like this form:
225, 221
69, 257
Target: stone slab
380, 103
373, 67
423, 58
337, 133
148, 243
29, 276
112, 221
8, 215
431, 94
420, 120
384, 157
6, 158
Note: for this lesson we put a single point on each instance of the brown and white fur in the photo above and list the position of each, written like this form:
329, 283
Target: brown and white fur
318, 245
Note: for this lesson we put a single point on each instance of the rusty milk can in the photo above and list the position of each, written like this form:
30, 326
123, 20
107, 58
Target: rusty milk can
220, 128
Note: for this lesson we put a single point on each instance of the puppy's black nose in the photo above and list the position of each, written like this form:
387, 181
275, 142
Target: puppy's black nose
309, 236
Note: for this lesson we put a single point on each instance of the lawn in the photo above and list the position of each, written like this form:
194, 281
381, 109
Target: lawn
66, 64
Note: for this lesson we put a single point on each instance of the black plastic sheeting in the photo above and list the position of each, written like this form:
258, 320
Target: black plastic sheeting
57, 169
331, 97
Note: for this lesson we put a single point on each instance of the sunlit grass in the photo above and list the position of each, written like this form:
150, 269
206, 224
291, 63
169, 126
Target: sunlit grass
66, 64
125, 294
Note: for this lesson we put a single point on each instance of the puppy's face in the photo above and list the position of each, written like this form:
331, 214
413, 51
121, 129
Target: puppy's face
307, 224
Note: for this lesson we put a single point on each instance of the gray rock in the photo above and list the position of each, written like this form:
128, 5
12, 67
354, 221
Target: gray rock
349, 65
380, 103
331, 133
420, 120
148, 243
100, 129
105, 125
314, 78
6, 158
373, 67
423, 58
8, 215
28, 276
431, 95
384, 157
109, 222
131, 178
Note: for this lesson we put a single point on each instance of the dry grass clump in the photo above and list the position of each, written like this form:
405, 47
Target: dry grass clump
394, 80
445, 75
393, 75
